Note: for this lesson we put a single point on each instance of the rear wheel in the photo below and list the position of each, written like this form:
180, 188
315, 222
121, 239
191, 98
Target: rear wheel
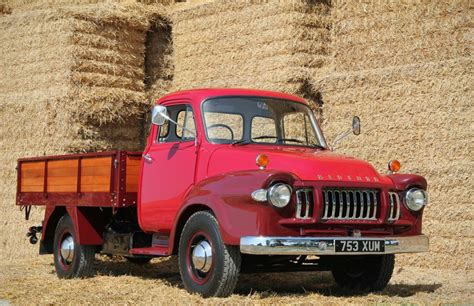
71, 259
367, 273
207, 265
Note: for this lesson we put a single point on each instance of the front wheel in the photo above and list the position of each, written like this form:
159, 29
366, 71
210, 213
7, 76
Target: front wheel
367, 273
207, 265
71, 259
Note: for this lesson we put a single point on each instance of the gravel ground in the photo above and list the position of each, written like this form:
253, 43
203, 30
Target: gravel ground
118, 282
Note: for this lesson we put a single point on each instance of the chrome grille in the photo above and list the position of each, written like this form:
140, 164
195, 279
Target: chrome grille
394, 209
304, 203
350, 204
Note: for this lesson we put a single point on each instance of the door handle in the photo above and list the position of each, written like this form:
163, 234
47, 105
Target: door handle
147, 158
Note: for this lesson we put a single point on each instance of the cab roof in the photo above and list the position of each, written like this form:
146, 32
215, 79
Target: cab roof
201, 94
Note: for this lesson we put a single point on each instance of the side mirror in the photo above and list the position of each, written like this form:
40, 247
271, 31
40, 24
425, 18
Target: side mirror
355, 129
356, 125
159, 115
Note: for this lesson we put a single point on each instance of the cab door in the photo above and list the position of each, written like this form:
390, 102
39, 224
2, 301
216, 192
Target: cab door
168, 170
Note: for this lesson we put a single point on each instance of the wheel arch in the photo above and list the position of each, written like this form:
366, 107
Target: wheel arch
52, 216
187, 212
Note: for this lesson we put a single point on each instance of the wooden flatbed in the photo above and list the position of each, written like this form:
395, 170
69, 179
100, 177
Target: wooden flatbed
105, 179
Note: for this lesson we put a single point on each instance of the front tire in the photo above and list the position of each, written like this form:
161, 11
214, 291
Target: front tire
71, 259
367, 273
207, 266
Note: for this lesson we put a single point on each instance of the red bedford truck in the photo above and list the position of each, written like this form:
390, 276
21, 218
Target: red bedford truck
231, 181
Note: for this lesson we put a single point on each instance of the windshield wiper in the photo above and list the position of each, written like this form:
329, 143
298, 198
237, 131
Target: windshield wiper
289, 139
279, 139
241, 142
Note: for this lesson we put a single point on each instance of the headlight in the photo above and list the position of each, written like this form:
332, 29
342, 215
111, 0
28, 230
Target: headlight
279, 195
416, 198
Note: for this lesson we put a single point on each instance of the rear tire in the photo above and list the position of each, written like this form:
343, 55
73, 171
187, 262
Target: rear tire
207, 266
368, 273
71, 259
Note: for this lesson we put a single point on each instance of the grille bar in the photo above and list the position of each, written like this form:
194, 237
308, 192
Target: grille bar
350, 204
394, 211
304, 203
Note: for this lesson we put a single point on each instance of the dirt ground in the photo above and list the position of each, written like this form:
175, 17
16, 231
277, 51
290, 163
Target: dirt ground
34, 281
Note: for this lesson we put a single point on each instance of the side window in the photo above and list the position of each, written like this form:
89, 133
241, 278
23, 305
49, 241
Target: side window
263, 130
164, 130
170, 132
185, 119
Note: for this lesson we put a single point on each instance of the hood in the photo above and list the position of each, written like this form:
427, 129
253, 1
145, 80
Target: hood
306, 163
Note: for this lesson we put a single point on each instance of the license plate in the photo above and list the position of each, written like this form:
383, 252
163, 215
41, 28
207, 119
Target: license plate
361, 246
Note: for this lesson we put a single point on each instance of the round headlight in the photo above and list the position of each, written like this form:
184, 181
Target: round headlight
279, 195
416, 198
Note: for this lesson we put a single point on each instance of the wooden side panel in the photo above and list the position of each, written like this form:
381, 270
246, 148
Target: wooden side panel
62, 175
32, 176
96, 174
132, 171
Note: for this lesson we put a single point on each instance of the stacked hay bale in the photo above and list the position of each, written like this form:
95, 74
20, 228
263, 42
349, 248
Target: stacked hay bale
406, 70
72, 81
375, 34
267, 45
158, 61
5, 9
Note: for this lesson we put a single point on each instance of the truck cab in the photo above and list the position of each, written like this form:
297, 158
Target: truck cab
237, 181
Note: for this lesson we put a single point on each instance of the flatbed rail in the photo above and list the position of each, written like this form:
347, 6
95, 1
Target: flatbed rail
104, 179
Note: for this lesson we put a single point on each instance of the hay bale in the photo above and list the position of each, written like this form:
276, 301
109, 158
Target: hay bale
421, 114
5, 9
376, 34
159, 66
267, 45
72, 81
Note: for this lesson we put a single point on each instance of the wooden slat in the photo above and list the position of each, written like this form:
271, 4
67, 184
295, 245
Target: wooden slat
32, 188
97, 161
95, 188
88, 171
34, 181
62, 188
62, 175
132, 173
95, 174
95, 179
32, 176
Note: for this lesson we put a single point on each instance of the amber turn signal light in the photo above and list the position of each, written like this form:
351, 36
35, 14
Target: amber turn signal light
394, 165
262, 161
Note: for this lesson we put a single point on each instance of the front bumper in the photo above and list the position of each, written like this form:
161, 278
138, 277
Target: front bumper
259, 245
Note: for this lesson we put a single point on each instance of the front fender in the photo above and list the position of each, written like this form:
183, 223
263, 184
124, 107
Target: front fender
229, 197
404, 181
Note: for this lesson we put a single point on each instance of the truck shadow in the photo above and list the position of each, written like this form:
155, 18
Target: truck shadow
263, 285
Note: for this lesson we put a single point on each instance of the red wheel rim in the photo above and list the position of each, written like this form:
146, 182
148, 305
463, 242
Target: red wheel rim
62, 262
196, 275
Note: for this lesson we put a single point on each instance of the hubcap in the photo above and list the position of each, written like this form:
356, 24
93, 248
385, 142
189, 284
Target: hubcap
202, 256
67, 249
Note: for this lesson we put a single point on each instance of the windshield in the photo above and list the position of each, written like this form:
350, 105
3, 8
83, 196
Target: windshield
246, 120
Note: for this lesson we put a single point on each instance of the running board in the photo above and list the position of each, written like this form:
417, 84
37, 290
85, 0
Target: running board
153, 251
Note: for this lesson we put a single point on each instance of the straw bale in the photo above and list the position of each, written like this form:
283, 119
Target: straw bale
72, 81
266, 45
375, 34
5, 9
421, 114
159, 68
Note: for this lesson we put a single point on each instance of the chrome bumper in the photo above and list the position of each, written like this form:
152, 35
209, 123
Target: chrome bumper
259, 245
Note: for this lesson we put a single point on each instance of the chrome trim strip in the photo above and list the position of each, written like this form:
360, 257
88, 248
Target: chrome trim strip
394, 212
260, 245
304, 197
